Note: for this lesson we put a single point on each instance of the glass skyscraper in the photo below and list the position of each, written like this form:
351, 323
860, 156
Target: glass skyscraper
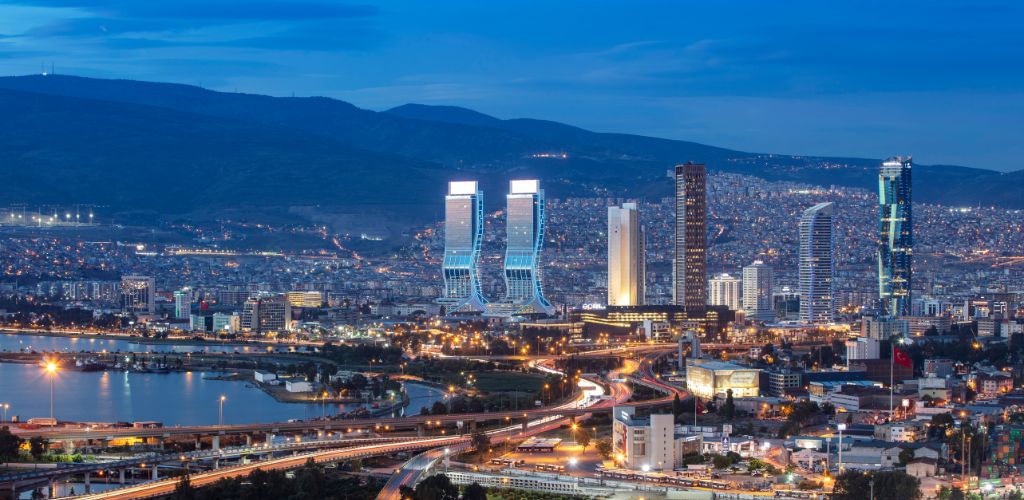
524, 241
463, 234
817, 266
895, 235
689, 267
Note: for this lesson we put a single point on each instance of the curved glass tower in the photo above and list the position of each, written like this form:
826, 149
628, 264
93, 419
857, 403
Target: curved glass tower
463, 233
525, 239
817, 267
895, 235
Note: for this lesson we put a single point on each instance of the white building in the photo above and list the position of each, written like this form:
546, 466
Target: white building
726, 291
296, 385
226, 322
645, 443
862, 348
757, 292
709, 378
263, 377
626, 262
183, 303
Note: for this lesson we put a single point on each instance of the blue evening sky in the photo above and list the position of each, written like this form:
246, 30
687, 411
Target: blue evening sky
941, 80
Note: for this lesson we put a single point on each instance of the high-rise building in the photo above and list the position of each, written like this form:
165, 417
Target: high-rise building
817, 267
463, 234
626, 262
895, 235
726, 290
757, 292
266, 313
138, 294
183, 303
689, 267
524, 242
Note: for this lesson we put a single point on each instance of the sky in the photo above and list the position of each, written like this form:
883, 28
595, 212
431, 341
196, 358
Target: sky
940, 80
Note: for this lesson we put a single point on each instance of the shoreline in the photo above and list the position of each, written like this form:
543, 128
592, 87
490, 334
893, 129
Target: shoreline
139, 339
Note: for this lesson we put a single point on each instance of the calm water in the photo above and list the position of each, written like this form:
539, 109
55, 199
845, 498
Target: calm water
11, 342
174, 399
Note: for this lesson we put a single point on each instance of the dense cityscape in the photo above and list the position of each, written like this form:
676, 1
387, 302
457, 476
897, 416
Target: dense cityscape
793, 336
320, 251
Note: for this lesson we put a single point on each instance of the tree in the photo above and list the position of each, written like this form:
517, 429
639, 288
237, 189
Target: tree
906, 455
37, 447
9, 444
729, 408
888, 485
436, 487
721, 461
604, 448
184, 490
474, 492
583, 437
481, 442
677, 405
438, 408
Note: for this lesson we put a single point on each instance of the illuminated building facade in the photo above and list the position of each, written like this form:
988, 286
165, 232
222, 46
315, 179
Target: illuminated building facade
817, 266
463, 234
524, 242
689, 267
308, 298
645, 443
138, 294
623, 321
757, 292
709, 378
626, 262
183, 303
726, 291
895, 235
264, 314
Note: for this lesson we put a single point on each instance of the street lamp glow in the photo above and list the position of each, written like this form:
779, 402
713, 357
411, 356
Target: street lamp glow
220, 409
573, 461
51, 370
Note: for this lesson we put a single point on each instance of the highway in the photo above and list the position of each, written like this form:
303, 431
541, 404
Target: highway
543, 420
166, 486
618, 392
137, 461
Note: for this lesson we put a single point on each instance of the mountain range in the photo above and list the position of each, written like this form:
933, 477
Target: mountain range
184, 150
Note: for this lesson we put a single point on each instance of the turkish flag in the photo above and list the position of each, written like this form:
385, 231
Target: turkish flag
901, 358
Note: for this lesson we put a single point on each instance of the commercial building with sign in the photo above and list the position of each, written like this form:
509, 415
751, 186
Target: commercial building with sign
709, 378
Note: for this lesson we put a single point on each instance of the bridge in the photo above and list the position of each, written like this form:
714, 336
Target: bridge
534, 422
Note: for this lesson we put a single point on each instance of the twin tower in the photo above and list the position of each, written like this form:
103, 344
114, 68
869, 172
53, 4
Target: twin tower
464, 230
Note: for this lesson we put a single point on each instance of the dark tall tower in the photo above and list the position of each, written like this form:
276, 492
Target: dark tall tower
690, 279
895, 235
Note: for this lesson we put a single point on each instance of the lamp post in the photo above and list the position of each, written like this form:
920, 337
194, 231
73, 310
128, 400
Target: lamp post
841, 427
51, 371
220, 409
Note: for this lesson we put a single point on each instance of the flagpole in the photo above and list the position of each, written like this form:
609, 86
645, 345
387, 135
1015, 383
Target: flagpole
892, 367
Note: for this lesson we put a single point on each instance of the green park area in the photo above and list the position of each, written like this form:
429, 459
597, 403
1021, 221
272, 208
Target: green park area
502, 381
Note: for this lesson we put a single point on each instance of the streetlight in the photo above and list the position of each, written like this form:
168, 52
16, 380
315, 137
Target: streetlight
841, 427
51, 371
220, 409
